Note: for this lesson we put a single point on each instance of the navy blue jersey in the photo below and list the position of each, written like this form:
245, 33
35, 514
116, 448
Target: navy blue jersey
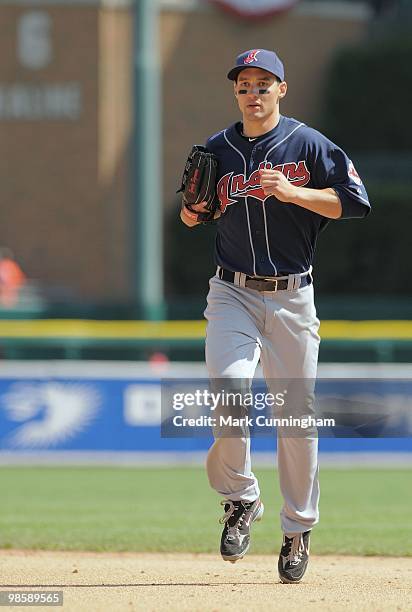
257, 234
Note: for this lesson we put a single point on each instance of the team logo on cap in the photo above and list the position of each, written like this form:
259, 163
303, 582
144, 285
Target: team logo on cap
252, 57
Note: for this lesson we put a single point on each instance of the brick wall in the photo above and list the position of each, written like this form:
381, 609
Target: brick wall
64, 180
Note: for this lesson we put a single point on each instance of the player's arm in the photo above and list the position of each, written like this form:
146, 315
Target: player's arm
325, 202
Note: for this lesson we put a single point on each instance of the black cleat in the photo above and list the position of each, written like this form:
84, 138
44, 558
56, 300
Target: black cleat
238, 519
294, 557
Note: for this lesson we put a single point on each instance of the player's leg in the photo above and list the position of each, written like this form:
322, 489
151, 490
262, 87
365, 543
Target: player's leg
290, 351
233, 343
232, 352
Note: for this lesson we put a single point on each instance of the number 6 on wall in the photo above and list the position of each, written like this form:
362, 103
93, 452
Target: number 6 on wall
34, 46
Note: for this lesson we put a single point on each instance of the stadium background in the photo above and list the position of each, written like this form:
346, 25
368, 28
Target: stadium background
99, 104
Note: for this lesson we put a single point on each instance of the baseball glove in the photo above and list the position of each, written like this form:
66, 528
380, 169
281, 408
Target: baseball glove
199, 185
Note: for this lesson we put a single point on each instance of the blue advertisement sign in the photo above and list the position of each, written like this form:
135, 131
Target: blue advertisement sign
77, 411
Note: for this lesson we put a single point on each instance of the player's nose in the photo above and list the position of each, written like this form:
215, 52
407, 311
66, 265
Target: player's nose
253, 97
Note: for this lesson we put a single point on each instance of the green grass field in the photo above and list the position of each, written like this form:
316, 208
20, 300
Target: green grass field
136, 509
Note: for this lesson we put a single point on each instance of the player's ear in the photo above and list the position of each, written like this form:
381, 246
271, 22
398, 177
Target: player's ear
283, 87
235, 88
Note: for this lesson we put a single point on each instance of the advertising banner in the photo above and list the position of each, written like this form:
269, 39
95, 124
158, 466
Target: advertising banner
131, 408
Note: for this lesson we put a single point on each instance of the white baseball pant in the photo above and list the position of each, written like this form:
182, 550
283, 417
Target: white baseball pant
281, 329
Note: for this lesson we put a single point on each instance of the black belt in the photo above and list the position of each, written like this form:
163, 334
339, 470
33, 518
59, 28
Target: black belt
263, 284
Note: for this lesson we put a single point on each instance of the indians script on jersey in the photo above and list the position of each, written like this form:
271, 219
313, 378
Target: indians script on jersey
238, 185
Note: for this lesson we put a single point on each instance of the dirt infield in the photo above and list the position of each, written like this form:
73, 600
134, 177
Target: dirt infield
130, 581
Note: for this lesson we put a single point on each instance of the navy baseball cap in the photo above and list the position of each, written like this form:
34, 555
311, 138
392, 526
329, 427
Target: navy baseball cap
258, 58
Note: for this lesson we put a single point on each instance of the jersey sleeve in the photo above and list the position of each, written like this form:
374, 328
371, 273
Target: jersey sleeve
213, 142
331, 167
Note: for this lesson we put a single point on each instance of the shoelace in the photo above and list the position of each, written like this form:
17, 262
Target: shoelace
232, 531
296, 549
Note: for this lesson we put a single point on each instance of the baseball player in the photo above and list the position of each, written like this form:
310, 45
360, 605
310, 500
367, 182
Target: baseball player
279, 183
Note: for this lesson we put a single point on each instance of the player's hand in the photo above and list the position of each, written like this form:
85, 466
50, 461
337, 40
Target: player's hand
197, 208
201, 207
275, 183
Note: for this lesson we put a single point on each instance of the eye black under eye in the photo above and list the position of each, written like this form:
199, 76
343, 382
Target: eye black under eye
244, 92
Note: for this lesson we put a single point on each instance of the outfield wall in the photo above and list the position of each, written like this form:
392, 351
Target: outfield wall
100, 412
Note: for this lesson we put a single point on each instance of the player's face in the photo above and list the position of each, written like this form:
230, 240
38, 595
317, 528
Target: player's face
258, 93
